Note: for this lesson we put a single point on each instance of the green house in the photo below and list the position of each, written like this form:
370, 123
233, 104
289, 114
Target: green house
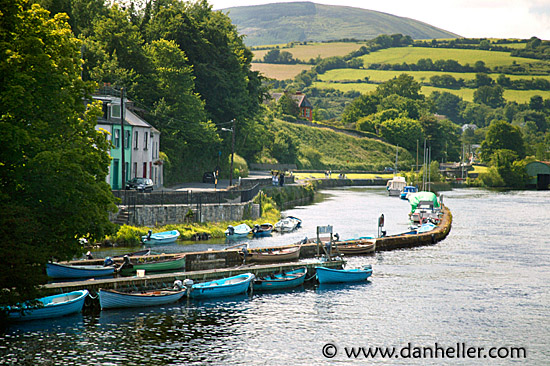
539, 174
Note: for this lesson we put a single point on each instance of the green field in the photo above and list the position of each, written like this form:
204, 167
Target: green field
312, 50
280, 72
413, 54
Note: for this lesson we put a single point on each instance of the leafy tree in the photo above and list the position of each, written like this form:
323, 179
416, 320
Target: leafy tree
483, 79
510, 168
403, 131
284, 148
288, 106
490, 95
360, 107
502, 135
403, 85
54, 162
447, 104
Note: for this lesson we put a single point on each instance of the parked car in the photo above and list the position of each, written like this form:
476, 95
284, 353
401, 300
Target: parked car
140, 184
209, 177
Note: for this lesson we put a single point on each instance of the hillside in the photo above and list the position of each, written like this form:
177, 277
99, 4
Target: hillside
322, 148
306, 21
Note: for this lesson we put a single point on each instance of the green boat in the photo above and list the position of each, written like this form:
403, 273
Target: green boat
155, 266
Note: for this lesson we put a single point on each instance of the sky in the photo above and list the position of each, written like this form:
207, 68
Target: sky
467, 18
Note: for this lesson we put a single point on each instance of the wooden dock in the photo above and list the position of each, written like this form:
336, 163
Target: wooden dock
167, 279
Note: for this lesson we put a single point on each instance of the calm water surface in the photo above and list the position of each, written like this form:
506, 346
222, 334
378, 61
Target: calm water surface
486, 285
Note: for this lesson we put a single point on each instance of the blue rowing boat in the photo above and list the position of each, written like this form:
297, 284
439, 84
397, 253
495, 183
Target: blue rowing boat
239, 231
58, 270
329, 275
262, 230
229, 286
109, 299
280, 281
165, 237
50, 307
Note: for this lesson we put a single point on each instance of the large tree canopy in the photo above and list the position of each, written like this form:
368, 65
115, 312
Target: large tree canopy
54, 162
502, 135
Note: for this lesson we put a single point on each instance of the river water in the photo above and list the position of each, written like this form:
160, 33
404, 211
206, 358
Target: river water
487, 285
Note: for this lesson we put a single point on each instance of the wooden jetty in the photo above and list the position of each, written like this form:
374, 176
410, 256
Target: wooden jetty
167, 279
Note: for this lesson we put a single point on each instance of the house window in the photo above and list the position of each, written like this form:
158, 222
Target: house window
144, 170
115, 110
116, 141
307, 112
127, 139
136, 140
146, 141
135, 170
127, 170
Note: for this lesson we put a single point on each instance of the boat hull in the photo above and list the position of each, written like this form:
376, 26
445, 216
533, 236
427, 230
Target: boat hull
230, 286
57, 270
290, 254
329, 275
281, 281
169, 265
165, 237
358, 248
54, 306
109, 299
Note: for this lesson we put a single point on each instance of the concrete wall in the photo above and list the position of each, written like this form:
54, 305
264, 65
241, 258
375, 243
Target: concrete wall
158, 215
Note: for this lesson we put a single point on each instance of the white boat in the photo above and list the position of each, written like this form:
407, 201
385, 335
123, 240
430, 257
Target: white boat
287, 225
396, 185
239, 231
165, 237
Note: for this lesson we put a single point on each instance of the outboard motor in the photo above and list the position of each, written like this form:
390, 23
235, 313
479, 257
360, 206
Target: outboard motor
108, 262
256, 228
230, 230
336, 237
188, 283
89, 255
149, 233
178, 285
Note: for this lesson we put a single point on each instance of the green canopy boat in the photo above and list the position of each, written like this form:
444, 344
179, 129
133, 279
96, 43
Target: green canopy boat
423, 196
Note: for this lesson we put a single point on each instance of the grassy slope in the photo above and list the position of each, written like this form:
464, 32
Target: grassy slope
280, 72
312, 50
341, 151
306, 21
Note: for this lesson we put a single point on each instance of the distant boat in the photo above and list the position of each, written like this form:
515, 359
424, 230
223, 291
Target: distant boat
329, 275
274, 255
109, 299
52, 307
406, 191
172, 264
165, 237
287, 225
359, 247
262, 230
280, 281
299, 225
396, 185
58, 270
220, 288
239, 231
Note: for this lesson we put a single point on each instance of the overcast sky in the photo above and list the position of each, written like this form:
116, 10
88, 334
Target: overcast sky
468, 18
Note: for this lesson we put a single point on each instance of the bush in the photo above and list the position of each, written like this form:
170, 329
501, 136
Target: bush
240, 167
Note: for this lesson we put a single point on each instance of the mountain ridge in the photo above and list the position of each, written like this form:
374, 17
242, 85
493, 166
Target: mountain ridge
278, 23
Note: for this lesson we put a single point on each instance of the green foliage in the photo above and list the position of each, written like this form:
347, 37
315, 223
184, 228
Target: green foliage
287, 105
490, 95
360, 107
54, 162
502, 135
285, 148
405, 132
491, 178
404, 85
240, 167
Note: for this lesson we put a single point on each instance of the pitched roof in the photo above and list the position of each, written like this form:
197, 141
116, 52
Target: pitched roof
299, 97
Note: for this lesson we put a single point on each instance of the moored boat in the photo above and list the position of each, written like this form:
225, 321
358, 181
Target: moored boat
229, 286
173, 264
50, 307
262, 230
139, 253
280, 281
58, 270
287, 225
165, 237
274, 255
407, 190
239, 231
358, 247
329, 275
109, 299
396, 185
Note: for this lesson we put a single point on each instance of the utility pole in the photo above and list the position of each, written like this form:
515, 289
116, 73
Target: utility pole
232, 152
122, 138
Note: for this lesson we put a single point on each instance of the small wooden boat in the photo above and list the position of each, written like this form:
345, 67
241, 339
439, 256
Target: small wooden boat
50, 307
280, 281
262, 230
139, 253
329, 275
172, 264
356, 247
165, 237
239, 231
225, 287
277, 255
58, 270
287, 225
109, 299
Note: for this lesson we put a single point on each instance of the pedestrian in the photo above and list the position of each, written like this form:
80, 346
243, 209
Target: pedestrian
282, 180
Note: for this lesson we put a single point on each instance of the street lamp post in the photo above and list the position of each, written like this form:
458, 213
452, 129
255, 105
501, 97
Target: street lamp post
232, 129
